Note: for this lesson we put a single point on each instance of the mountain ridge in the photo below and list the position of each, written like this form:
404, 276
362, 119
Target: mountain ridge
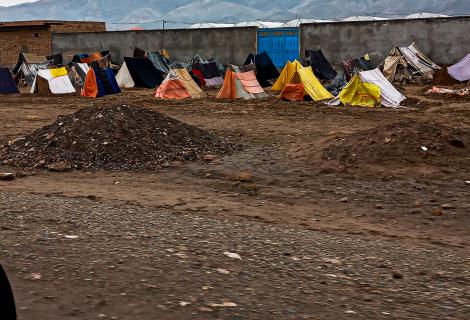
124, 14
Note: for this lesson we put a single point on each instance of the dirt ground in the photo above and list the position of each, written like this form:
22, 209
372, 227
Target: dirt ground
317, 239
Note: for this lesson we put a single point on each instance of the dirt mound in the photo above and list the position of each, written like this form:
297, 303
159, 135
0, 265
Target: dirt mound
116, 138
403, 145
442, 78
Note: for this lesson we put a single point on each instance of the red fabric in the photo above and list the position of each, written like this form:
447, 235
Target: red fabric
293, 92
200, 76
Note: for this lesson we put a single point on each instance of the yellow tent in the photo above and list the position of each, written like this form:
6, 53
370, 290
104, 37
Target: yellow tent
286, 75
312, 86
295, 73
358, 93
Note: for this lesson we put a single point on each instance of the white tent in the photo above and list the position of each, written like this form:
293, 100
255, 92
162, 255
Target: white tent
391, 97
208, 25
297, 22
124, 78
364, 18
58, 84
425, 15
260, 24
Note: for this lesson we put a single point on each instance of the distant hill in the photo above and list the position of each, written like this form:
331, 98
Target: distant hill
181, 13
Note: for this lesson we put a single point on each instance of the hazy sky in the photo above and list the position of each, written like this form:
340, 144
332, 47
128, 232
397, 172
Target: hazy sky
6, 3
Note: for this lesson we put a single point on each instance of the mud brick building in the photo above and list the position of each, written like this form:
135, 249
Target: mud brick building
35, 37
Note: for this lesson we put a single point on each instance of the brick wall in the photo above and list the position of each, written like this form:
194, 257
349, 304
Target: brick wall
78, 26
35, 41
35, 37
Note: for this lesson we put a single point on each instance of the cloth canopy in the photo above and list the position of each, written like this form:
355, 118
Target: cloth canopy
100, 82
286, 76
211, 73
320, 65
124, 78
56, 59
7, 84
241, 85
178, 85
312, 85
361, 91
52, 81
461, 70
143, 72
265, 68
358, 93
160, 62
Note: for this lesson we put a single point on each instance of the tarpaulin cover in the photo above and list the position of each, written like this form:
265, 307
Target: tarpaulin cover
81, 69
52, 81
58, 72
124, 78
7, 306
249, 82
265, 68
90, 57
293, 92
286, 75
178, 84
139, 53
229, 89
100, 82
320, 65
90, 88
56, 59
209, 70
143, 72
391, 97
160, 62
7, 84
353, 66
248, 67
461, 70
106, 82
30, 70
194, 90
172, 89
358, 93
29, 59
312, 85
200, 76
419, 61
241, 85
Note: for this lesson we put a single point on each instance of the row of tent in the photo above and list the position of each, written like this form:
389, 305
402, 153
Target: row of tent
295, 23
361, 81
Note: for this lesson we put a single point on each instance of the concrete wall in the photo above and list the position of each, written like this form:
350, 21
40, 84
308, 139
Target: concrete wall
230, 45
444, 40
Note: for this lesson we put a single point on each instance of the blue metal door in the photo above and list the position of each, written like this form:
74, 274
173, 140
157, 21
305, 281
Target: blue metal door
281, 44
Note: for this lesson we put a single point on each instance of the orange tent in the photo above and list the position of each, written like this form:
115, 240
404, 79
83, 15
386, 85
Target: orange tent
90, 88
293, 92
178, 85
241, 85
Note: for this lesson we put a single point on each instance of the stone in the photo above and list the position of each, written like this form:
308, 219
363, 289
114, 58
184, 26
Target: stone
7, 176
345, 199
210, 157
61, 166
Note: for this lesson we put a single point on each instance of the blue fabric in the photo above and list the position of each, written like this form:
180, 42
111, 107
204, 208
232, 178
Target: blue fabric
106, 82
7, 84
